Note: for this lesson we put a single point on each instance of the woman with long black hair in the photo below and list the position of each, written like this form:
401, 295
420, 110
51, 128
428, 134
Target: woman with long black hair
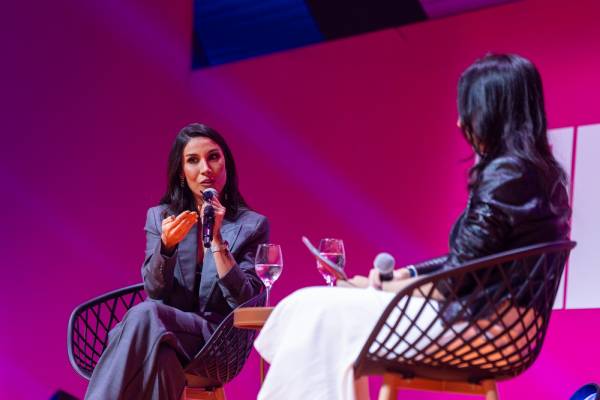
517, 197
191, 289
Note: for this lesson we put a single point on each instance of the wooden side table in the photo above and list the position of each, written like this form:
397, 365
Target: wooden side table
251, 317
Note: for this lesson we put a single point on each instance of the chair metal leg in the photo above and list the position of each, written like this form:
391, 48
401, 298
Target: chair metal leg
491, 390
389, 389
220, 394
361, 388
388, 392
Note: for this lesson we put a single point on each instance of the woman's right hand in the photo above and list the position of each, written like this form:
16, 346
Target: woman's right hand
375, 278
174, 229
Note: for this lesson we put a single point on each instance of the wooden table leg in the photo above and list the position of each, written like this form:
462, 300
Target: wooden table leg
252, 318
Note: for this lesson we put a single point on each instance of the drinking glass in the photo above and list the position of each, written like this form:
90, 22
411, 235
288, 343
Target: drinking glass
268, 264
332, 250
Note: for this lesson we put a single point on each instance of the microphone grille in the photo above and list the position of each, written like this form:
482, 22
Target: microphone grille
209, 193
384, 262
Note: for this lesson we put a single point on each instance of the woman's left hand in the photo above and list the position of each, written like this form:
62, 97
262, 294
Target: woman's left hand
374, 278
219, 215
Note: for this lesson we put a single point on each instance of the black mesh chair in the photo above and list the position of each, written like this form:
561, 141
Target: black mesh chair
464, 329
218, 362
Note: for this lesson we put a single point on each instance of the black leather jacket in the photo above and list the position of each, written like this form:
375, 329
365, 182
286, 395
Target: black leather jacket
512, 205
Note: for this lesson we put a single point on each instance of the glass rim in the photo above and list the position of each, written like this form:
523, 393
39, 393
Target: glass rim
329, 238
269, 244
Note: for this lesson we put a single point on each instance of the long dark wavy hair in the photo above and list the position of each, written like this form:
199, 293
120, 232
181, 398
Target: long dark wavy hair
501, 107
180, 198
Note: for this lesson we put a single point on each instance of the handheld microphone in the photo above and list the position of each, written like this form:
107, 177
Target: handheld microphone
208, 218
384, 263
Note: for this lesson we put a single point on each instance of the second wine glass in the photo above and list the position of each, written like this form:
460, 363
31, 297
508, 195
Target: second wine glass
332, 250
268, 264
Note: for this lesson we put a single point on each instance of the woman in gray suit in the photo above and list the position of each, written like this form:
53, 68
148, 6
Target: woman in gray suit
190, 288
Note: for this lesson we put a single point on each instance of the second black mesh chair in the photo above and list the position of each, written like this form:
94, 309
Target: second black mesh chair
463, 329
219, 361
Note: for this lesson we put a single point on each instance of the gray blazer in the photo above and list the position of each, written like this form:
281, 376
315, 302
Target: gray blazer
171, 279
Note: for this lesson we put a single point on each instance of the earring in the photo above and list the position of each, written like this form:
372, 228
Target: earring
181, 181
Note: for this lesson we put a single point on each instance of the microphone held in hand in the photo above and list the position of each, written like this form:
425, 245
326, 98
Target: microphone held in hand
208, 218
384, 263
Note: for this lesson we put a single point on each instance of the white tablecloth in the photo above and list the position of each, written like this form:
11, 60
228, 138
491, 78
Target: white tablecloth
313, 337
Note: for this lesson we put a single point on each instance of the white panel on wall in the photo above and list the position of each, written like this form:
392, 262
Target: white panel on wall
561, 141
583, 277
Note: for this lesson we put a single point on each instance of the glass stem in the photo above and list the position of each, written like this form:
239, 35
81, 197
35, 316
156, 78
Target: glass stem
268, 291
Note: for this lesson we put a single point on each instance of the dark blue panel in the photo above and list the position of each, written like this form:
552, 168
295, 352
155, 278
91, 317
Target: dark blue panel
230, 30
342, 18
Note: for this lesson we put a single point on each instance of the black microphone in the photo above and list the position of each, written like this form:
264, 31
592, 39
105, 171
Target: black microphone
208, 218
384, 263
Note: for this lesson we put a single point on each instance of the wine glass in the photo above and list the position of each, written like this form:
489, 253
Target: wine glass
332, 250
268, 264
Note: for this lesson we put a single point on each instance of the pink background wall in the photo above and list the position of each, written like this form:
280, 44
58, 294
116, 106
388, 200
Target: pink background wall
329, 139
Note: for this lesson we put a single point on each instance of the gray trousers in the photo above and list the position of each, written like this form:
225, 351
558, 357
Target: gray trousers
146, 353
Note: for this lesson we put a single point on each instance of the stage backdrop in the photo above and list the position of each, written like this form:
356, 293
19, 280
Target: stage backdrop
353, 139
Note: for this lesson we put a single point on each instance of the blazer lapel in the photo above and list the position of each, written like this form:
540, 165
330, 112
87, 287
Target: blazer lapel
230, 232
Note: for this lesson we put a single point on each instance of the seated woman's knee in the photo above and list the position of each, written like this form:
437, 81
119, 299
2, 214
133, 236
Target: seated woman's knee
142, 313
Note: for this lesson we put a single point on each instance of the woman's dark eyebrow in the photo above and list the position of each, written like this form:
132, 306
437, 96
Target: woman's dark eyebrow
211, 151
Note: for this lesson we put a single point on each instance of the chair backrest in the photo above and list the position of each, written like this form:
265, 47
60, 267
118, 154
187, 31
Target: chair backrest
87, 334
225, 353
220, 359
486, 319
